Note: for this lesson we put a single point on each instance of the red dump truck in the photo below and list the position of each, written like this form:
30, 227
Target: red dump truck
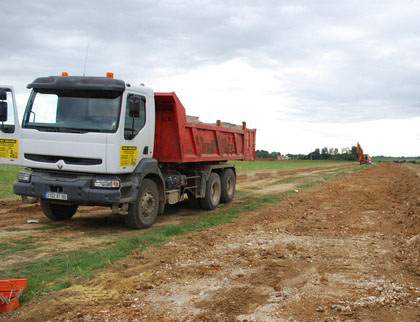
101, 141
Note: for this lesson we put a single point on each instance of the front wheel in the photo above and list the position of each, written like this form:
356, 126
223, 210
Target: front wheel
143, 212
56, 211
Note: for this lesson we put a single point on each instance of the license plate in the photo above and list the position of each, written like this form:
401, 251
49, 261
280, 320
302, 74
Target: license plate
55, 195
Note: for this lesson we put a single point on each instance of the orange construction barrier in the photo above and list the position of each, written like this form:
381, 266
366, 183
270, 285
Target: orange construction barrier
10, 291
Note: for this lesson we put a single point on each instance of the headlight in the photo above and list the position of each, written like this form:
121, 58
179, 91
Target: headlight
106, 183
24, 176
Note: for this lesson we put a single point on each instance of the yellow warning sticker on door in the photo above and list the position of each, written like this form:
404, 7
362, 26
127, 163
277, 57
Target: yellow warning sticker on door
128, 156
9, 149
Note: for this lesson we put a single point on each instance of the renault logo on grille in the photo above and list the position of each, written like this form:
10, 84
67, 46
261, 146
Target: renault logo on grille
60, 165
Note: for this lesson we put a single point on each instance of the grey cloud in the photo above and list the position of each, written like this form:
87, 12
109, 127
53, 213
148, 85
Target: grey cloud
367, 52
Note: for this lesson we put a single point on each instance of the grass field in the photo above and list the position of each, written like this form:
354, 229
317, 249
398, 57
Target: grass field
246, 166
8, 175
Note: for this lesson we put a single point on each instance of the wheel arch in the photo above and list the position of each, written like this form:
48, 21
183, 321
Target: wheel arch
149, 169
161, 189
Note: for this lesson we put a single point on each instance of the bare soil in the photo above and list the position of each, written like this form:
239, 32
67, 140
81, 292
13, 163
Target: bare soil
347, 250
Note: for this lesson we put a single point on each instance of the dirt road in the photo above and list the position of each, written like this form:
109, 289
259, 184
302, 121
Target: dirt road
96, 226
347, 250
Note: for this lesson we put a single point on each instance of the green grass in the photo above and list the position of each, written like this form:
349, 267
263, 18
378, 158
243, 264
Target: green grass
14, 246
61, 269
8, 174
246, 166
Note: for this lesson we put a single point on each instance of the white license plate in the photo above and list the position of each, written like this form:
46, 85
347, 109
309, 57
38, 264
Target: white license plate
56, 195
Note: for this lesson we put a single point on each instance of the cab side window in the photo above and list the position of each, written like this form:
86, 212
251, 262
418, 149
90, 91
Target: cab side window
135, 115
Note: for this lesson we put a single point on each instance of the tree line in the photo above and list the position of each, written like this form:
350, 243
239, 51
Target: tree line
265, 154
347, 154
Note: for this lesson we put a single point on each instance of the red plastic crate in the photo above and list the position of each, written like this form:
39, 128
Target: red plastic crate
10, 291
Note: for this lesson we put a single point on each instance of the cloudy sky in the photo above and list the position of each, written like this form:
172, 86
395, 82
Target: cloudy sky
306, 74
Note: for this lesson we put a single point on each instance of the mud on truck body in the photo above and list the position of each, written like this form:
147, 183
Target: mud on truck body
101, 142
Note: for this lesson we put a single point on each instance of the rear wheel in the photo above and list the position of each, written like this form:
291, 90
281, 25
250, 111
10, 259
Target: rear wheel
143, 213
56, 211
228, 181
213, 192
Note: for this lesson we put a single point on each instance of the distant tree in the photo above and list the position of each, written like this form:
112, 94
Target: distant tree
265, 154
274, 154
324, 153
262, 154
353, 153
315, 155
345, 151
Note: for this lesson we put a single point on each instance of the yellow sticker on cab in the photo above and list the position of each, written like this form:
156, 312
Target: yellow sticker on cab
9, 149
128, 156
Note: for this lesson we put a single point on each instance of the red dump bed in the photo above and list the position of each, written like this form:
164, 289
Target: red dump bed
178, 141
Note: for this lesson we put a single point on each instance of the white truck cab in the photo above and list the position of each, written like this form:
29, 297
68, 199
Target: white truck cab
79, 141
82, 124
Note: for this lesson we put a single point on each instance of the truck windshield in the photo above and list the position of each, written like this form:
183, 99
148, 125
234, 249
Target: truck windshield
73, 111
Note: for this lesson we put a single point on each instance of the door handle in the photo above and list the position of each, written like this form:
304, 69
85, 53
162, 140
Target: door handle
146, 150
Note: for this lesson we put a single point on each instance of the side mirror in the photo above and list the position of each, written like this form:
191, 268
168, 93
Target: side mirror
3, 95
3, 111
134, 103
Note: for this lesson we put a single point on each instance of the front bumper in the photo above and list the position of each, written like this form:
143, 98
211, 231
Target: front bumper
77, 187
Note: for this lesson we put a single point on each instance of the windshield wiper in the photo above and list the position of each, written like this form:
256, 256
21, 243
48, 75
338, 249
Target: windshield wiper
63, 129
78, 130
44, 128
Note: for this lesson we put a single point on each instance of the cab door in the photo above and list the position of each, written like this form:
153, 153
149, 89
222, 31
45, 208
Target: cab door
10, 152
135, 141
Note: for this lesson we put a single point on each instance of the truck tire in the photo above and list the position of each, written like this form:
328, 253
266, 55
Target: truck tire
56, 211
228, 181
143, 212
213, 192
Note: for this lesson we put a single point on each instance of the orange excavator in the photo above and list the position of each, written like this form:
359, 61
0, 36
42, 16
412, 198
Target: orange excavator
363, 158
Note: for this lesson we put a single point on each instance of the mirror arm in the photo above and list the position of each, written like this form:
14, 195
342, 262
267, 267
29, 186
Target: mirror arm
132, 129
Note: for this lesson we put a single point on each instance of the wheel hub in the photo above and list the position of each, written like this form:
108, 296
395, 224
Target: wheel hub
215, 192
147, 203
